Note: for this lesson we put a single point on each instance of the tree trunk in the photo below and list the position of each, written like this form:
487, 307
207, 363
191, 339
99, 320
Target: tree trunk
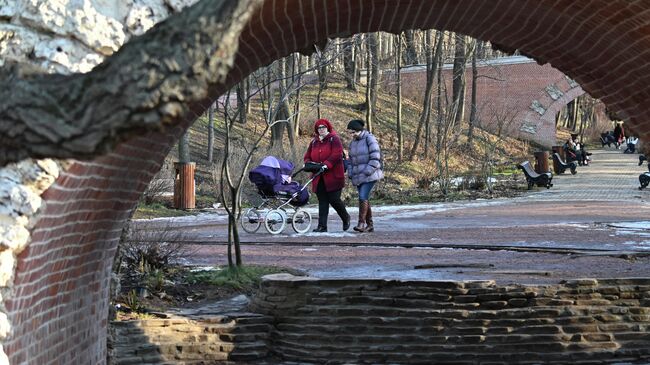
248, 95
284, 100
432, 67
474, 109
211, 132
398, 67
184, 148
297, 61
376, 75
241, 101
369, 76
55, 118
458, 84
411, 53
439, 91
278, 129
349, 64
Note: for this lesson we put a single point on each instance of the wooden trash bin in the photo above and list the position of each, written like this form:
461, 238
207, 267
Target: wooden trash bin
541, 162
184, 197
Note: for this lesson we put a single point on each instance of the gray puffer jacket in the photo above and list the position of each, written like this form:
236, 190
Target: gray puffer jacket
365, 159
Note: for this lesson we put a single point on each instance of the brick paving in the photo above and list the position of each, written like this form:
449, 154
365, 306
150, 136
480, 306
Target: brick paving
613, 175
575, 229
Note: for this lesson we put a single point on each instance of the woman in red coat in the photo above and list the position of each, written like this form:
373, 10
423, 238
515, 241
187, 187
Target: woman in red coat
326, 148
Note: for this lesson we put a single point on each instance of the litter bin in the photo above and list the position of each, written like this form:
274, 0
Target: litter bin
184, 197
541, 162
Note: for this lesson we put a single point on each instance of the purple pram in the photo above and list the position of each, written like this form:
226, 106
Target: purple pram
273, 178
282, 198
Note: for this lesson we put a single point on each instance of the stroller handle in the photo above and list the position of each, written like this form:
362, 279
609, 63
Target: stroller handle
314, 167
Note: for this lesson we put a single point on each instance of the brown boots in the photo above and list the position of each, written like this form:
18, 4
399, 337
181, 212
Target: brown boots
365, 218
370, 227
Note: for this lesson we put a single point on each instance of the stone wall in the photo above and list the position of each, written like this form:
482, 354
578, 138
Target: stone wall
517, 90
64, 36
408, 322
58, 298
242, 337
46, 291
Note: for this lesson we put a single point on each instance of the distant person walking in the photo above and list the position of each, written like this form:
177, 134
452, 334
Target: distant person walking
619, 134
364, 171
326, 148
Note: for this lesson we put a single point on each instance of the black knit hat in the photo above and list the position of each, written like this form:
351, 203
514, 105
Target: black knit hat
355, 125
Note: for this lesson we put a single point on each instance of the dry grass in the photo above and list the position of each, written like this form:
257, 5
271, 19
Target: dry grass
339, 105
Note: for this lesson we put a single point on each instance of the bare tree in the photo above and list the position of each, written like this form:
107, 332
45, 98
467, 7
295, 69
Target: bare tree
242, 101
211, 132
458, 84
410, 54
448, 139
502, 117
473, 115
349, 64
432, 66
231, 175
398, 68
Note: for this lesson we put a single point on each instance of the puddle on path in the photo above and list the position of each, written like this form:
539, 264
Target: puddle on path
382, 272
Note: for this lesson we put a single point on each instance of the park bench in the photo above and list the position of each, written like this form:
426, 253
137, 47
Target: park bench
644, 178
562, 166
533, 178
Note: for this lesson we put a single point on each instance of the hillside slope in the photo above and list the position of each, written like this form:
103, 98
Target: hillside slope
339, 105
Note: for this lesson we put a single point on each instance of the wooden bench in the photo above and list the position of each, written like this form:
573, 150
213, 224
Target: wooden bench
562, 166
533, 178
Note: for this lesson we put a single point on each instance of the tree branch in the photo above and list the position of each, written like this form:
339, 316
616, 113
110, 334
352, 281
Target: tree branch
151, 83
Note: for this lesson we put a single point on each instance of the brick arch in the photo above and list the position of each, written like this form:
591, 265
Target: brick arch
58, 311
547, 120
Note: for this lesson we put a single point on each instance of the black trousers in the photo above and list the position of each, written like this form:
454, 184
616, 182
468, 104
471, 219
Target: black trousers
325, 199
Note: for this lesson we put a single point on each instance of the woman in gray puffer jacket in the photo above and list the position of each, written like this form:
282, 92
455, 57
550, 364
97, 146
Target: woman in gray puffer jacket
364, 170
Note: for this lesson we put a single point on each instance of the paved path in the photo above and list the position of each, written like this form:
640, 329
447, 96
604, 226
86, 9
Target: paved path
593, 224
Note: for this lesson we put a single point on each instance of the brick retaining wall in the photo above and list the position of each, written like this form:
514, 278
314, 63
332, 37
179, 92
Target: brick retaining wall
191, 340
388, 321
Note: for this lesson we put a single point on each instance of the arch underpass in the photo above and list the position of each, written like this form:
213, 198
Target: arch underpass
124, 116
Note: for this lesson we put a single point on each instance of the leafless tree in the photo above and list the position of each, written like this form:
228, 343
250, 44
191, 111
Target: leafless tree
231, 174
502, 117
477, 47
398, 68
431, 68
211, 132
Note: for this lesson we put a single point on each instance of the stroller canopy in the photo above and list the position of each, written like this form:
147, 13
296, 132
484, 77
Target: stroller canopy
285, 167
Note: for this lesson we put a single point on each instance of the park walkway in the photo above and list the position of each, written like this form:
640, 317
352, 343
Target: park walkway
612, 175
592, 224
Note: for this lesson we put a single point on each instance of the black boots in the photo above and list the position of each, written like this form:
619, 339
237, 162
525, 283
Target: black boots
320, 229
346, 222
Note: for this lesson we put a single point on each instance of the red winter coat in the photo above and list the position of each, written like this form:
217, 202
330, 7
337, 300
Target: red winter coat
329, 151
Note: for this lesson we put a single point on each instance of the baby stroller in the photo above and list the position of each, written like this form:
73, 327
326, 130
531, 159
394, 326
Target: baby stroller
282, 198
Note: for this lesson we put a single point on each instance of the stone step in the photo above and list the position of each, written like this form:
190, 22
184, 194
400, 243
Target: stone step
544, 343
386, 311
451, 356
397, 339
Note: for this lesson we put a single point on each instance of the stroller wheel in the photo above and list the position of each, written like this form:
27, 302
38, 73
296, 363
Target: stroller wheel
251, 220
275, 221
301, 221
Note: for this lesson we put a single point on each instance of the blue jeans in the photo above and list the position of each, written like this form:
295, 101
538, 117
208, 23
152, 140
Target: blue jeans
365, 189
